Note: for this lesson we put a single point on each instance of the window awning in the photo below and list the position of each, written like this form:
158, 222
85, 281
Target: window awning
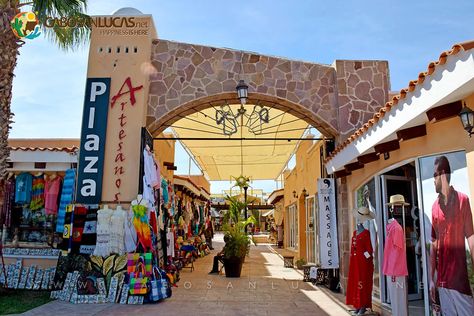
270, 212
258, 159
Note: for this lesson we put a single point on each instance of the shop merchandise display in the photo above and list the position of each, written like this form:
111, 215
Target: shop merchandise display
30, 205
361, 266
66, 198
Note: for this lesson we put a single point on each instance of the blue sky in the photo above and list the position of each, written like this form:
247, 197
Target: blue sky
49, 83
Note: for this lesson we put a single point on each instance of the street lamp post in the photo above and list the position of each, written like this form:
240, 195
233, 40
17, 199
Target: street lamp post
245, 205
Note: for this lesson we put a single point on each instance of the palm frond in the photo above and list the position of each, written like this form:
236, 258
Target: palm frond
67, 38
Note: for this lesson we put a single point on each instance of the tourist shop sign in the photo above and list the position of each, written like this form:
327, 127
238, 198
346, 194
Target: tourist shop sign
329, 254
92, 151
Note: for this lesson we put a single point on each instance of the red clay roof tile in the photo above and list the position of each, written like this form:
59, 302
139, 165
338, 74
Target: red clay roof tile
395, 100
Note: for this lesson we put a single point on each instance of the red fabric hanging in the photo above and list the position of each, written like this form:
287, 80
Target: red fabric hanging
361, 272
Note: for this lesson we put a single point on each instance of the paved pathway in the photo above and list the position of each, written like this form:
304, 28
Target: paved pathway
264, 288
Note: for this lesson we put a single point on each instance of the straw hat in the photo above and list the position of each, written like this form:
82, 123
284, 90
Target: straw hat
397, 199
363, 214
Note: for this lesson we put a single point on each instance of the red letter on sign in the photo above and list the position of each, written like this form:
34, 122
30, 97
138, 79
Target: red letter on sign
131, 90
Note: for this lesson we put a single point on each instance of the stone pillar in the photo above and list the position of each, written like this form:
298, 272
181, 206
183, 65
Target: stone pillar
363, 88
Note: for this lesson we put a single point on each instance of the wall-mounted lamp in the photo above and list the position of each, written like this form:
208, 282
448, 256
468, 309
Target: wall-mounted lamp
467, 119
304, 192
294, 194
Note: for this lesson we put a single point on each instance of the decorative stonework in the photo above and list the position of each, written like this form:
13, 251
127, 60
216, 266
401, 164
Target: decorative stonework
363, 88
189, 77
335, 99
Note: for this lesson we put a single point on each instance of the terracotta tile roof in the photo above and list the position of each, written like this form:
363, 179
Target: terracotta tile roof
401, 95
40, 144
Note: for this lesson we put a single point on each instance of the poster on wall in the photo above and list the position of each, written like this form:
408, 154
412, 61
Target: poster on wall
449, 233
328, 245
366, 198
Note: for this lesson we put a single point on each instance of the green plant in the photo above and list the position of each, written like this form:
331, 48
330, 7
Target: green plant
237, 243
300, 263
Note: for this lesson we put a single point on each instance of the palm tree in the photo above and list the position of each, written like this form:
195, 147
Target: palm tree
65, 37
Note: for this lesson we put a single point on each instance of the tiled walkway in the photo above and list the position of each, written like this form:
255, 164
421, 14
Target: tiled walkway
264, 288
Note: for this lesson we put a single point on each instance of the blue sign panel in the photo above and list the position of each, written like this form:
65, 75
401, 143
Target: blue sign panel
92, 151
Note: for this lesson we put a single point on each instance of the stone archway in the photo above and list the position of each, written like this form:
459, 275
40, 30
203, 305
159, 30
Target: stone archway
335, 99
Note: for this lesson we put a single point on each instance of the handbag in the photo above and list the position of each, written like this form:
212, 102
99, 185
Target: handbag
160, 287
138, 279
134, 258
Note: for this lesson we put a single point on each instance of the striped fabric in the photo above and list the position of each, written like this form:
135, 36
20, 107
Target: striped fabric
66, 198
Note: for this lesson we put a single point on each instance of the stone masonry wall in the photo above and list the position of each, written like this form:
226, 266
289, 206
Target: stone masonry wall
363, 88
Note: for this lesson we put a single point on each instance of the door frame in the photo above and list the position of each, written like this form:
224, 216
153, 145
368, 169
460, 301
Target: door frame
413, 186
311, 232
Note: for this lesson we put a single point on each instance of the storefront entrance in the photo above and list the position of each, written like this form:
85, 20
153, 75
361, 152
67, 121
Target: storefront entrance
408, 217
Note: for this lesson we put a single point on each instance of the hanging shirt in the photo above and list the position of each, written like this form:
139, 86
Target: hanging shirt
24, 182
150, 179
394, 257
66, 198
37, 193
130, 233
51, 193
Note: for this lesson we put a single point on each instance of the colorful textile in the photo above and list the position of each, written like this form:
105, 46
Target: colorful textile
138, 280
140, 222
66, 198
23, 188
150, 179
160, 286
37, 193
8, 199
134, 258
164, 190
66, 244
51, 193
361, 271
394, 254
452, 224
89, 237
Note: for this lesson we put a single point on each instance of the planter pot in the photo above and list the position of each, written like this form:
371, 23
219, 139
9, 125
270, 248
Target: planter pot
233, 267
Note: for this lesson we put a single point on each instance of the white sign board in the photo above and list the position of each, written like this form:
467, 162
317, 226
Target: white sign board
328, 252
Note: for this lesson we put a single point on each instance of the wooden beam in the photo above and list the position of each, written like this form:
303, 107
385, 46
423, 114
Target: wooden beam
168, 164
411, 132
368, 158
342, 173
443, 112
353, 166
387, 146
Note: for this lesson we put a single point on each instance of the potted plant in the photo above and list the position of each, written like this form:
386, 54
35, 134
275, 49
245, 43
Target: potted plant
300, 263
236, 248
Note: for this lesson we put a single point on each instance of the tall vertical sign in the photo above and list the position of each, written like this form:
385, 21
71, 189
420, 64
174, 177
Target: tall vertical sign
329, 251
92, 151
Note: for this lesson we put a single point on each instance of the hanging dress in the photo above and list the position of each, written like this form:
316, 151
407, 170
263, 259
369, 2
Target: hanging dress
140, 222
102, 247
117, 232
130, 233
361, 271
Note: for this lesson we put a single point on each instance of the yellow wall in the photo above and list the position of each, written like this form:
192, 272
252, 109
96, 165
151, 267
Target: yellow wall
303, 176
118, 66
164, 152
444, 136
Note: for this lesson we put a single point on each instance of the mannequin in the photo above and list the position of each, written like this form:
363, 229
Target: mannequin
395, 261
361, 267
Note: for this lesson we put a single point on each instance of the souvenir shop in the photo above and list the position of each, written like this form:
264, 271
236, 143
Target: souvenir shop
37, 189
408, 219
129, 253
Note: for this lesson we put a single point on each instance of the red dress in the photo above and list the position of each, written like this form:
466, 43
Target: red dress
361, 272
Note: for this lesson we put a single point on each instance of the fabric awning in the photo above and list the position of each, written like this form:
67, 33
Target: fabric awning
222, 159
270, 212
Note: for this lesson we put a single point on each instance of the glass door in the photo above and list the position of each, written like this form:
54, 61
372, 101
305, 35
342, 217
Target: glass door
408, 218
310, 230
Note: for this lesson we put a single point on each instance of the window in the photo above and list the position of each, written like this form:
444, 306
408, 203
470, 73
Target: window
292, 216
